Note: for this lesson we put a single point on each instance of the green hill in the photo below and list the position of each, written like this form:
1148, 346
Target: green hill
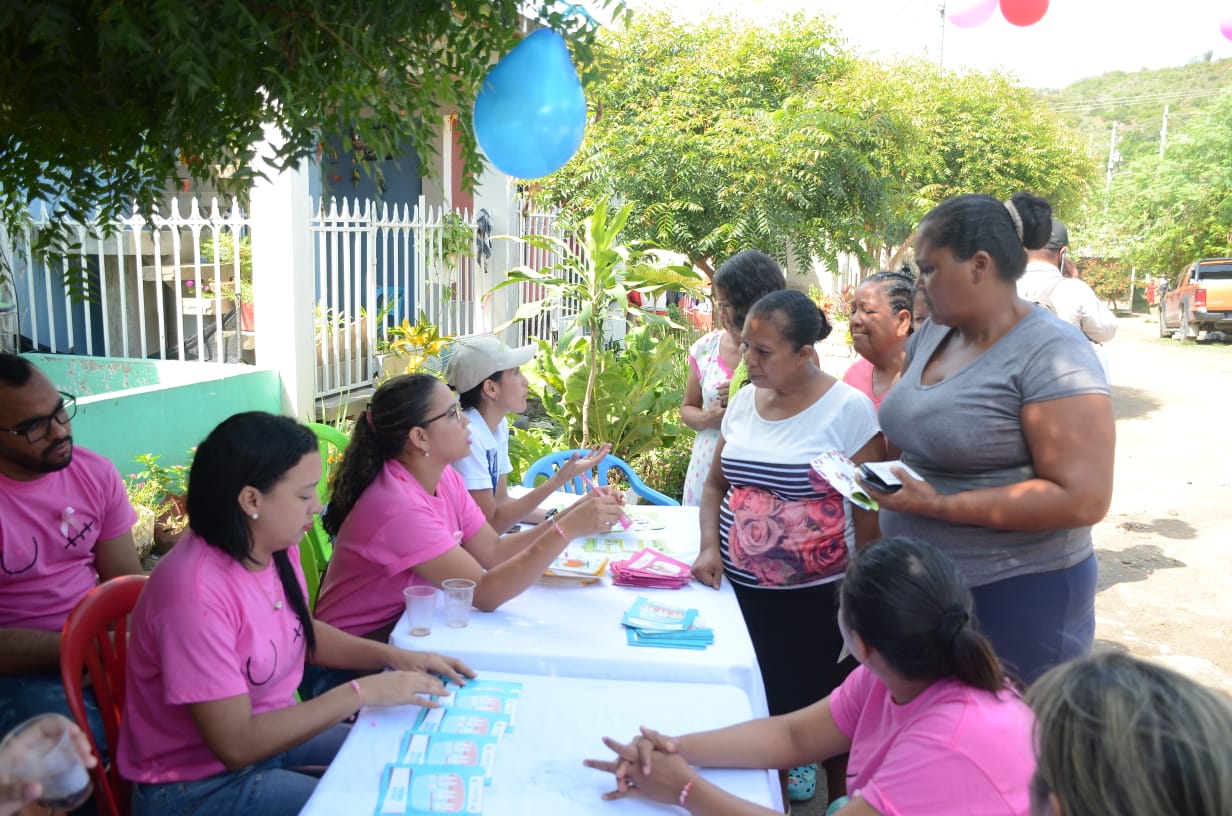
1136, 102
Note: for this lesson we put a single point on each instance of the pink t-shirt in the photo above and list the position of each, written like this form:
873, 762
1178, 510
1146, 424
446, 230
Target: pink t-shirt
860, 377
954, 749
395, 526
204, 629
48, 529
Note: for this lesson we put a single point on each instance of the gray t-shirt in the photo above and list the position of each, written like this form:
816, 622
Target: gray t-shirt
965, 433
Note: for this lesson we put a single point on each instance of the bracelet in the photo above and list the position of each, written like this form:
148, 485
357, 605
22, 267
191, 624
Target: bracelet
684, 792
559, 530
358, 691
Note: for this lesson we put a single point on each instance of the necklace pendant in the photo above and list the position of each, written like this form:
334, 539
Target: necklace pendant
277, 604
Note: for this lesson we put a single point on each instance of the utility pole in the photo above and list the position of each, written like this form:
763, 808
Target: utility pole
1163, 133
1113, 158
941, 56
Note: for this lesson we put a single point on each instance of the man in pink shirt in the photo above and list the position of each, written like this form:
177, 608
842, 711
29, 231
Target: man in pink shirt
65, 525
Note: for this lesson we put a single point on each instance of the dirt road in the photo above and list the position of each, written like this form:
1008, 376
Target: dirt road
1165, 548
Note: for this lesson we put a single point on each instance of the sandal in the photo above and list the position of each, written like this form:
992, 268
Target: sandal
802, 783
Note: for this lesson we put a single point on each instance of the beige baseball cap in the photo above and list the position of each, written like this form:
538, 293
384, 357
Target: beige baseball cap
474, 359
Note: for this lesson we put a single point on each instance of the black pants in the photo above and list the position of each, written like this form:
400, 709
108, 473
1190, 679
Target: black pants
795, 634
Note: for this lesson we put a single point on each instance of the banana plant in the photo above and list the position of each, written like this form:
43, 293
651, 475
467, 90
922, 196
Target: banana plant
595, 274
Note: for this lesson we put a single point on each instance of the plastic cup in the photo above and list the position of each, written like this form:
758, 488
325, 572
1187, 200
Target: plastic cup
42, 750
459, 594
420, 608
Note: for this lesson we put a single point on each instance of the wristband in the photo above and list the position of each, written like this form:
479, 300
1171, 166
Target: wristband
359, 692
684, 792
551, 512
559, 530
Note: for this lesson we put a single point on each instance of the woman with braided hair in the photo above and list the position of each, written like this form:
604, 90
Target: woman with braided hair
929, 719
881, 323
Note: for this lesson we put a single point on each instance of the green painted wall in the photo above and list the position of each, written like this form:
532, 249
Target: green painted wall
130, 407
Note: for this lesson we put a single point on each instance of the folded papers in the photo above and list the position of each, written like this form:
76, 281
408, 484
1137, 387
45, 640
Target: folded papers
650, 568
669, 627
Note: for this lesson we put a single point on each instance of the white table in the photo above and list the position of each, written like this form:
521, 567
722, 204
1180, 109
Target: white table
575, 631
538, 767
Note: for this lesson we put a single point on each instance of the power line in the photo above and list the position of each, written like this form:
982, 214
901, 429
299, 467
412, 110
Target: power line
1161, 96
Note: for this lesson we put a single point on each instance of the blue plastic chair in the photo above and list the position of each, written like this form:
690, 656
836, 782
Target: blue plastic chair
548, 465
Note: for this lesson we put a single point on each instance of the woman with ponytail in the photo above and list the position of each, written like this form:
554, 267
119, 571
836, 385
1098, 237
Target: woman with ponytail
222, 630
928, 718
402, 515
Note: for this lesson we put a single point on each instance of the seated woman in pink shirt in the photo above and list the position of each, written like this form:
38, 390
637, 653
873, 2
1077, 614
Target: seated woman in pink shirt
222, 630
928, 718
881, 322
401, 515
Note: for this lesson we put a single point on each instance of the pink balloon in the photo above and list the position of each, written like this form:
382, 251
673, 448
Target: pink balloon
971, 13
1023, 12
1225, 26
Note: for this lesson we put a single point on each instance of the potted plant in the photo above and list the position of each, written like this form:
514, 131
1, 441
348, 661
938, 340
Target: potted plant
239, 291
413, 348
160, 490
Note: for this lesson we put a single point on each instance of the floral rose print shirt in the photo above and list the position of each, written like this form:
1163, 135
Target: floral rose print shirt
776, 530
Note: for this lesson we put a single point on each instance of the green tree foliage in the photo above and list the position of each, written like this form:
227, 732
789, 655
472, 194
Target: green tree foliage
954, 133
728, 136
1167, 212
719, 133
100, 98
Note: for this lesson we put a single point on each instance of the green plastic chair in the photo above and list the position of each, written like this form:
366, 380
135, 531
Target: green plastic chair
317, 547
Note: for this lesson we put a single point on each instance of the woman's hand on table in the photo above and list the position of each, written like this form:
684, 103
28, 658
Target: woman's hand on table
594, 513
431, 663
393, 688
646, 767
708, 567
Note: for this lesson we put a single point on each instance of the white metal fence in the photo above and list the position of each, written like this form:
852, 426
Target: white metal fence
379, 266
178, 287
158, 288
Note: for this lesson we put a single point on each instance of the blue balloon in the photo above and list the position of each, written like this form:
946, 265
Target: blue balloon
530, 113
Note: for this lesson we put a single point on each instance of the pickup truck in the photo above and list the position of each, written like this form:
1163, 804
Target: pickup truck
1199, 300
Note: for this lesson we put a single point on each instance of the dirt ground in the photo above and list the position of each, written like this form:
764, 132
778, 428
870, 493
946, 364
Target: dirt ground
1165, 584
1165, 577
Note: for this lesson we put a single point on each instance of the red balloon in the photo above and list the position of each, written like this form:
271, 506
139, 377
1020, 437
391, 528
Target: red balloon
1023, 12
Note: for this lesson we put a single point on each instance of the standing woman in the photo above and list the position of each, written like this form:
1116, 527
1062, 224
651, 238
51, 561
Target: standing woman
1005, 412
221, 632
403, 516
881, 323
739, 283
781, 540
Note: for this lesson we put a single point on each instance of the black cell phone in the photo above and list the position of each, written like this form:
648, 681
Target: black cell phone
874, 481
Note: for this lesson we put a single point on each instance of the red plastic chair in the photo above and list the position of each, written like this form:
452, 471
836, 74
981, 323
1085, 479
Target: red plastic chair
95, 638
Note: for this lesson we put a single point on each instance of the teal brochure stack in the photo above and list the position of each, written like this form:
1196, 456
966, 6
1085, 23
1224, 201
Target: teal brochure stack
668, 627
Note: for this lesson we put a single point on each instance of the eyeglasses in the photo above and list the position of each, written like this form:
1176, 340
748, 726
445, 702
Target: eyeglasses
454, 411
36, 430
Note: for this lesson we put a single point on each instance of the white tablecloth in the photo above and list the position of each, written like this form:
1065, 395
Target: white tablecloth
575, 631
538, 768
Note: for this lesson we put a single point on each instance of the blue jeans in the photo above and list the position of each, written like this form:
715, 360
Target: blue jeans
27, 695
269, 788
318, 680
1037, 621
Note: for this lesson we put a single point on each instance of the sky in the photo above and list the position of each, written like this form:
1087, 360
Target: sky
1075, 38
